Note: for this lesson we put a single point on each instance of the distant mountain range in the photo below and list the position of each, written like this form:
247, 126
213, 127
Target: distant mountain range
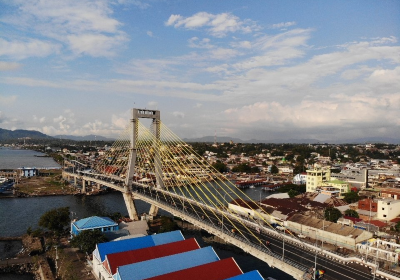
20, 133
210, 139
90, 137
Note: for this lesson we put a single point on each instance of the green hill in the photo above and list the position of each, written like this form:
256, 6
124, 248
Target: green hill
6, 134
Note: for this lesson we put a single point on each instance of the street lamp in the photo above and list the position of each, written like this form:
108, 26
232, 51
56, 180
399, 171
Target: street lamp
222, 222
56, 260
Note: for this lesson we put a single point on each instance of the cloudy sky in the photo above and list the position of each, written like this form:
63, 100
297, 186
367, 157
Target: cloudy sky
258, 69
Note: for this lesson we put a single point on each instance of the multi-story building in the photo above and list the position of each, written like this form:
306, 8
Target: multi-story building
388, 209
317, 177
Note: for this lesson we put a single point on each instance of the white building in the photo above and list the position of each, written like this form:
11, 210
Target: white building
300, 179
388, 209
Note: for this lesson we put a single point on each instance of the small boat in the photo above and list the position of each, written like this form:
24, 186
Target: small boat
252, 187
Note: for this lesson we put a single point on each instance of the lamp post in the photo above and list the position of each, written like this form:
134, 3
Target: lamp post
56, 260
222, 220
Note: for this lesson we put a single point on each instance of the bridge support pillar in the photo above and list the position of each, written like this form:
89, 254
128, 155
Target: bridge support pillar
130, 205
153, 210
75, 181
83, 186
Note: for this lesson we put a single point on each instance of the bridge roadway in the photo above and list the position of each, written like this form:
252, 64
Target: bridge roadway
294, 259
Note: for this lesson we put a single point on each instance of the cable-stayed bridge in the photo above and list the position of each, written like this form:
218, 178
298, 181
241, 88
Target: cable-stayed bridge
154, 165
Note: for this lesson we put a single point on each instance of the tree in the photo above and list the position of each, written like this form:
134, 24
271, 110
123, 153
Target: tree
351, 213
397, 226
274, 169
292, 193
220, 166
86, 240
332, 214
351, 197
55, 220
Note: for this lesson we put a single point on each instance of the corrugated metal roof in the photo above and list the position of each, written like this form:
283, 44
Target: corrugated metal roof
252, 275
94, 222
123, 258
321, 198
165, 265
218, 270
103, 249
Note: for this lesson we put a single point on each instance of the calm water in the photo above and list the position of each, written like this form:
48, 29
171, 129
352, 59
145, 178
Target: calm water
15, 158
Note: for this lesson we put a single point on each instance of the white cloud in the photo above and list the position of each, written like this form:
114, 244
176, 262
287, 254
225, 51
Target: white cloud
78, 24
94, 44
283, 24
150, 34
218, 25
39, 120
7, 100
9, 66
177, 114
195, 42
28, 48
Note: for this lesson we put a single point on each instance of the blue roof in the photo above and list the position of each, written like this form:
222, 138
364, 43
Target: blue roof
159, 266
103, 249
252, 275
94, 222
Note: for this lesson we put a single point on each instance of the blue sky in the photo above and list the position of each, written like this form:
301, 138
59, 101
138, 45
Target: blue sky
264, 70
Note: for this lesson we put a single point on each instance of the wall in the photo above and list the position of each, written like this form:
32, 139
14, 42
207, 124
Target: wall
329, 237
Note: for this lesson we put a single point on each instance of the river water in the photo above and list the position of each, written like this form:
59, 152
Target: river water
16, 158
17, 214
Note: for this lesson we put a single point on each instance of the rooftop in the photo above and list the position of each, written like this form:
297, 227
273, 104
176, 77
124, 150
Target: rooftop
94, 222
163, 265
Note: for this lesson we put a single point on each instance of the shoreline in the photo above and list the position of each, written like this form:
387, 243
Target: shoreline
23, 195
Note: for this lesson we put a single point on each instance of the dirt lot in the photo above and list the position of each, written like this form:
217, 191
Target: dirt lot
49, 183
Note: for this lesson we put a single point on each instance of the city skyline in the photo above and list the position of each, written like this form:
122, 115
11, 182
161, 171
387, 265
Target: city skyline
254, 70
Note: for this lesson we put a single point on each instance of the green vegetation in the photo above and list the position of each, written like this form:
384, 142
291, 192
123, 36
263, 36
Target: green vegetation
351, 197
86, 240
167, 224
274, 169
332, 214
292, 187
55, 220
245, 167
351, 213
220, 167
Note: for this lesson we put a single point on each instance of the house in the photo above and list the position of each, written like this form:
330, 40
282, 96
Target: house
388, 209
103, 224
28, 171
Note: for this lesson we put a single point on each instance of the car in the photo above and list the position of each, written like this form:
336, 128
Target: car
301, 236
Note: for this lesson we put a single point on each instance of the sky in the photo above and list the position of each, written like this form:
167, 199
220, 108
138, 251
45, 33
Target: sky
257, 69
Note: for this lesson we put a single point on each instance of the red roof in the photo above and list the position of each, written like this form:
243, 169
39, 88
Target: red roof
218, 270
354, 219
377, 223
113, 261
395, 220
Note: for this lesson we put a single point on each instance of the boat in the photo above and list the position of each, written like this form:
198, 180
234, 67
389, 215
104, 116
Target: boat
252, 187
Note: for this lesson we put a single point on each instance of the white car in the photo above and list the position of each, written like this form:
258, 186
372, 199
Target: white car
301, 236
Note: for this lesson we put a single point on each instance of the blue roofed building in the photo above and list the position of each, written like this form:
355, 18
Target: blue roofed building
103, 224
160, 266
252, 275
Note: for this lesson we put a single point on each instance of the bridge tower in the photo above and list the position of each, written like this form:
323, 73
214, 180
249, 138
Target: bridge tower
128, 196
